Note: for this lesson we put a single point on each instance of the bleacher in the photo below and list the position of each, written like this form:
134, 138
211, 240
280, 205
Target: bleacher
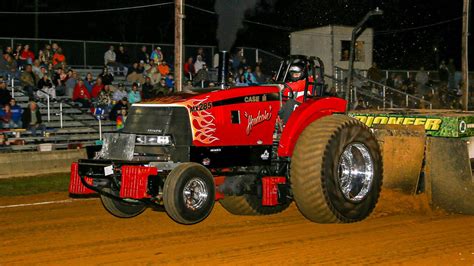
79, 127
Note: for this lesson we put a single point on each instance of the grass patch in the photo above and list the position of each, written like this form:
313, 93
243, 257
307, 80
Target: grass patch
34, 185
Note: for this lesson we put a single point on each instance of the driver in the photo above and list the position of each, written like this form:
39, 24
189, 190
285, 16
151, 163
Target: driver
297, 79
297, 72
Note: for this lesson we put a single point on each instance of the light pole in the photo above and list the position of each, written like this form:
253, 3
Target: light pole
356, 32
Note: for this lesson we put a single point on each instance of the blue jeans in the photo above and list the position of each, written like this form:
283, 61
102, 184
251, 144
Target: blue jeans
34, 128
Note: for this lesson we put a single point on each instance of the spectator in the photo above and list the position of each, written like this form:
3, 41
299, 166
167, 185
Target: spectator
160, 88
28, 81
243, 63
398, 81
54, 48
134, 95
153, 73
43, 72
249, 76
374, 73
259, 76
188, 87
32, 119
391, 81
46, 88
157, 55
110, 60
200, 52
170, 81
163, 68
123, 103
198, 65
143, 55
6, 120
123, 60
8, 66
58, 58
202, 76
105, 98
89, 82
8, 50
121, 118
421, 78
16, 113
5, 95
147, 89
17, 53
135, 74
81, 94
443, 73
46, 56
189, 69
97, 88
237, 58
241, 81
27, 55
120, 93
59, 81
71, 82
106, 77
37, 68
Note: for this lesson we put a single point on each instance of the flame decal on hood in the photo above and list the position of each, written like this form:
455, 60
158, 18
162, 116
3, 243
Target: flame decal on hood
202, 121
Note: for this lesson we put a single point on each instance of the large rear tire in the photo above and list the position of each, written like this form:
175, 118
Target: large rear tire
119, 208
336, 170
250, 205
189, 193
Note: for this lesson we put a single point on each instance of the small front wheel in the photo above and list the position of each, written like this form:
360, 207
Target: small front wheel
119, 208
189, 193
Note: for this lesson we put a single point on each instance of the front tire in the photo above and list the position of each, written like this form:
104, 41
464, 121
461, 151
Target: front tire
336, 170
119, 208
189, 193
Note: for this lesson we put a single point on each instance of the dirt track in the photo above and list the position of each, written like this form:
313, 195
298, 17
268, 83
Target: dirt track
81, 232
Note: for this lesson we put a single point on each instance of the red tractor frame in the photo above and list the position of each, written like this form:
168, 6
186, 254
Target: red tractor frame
254, 149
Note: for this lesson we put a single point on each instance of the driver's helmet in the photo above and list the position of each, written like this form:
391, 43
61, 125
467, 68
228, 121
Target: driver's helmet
297, 71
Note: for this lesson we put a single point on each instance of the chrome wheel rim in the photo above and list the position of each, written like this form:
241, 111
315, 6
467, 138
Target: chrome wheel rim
355, 172
195, 193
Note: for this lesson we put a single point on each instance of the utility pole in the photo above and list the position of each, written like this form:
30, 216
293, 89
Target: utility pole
178, 44
465, 52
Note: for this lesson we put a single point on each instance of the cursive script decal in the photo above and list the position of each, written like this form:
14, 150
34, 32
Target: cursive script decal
259, 118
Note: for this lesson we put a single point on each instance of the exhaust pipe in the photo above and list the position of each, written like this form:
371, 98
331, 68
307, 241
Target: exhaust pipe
223, 70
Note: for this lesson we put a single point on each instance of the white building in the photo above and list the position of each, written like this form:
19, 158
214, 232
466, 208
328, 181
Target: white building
332, 45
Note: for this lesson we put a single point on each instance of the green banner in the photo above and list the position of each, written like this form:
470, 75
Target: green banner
455, 125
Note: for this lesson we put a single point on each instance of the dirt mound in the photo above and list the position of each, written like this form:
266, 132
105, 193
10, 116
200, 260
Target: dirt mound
392, 202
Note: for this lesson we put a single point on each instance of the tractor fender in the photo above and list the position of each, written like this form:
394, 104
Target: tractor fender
304, 115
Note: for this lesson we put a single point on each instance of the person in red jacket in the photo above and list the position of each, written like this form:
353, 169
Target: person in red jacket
189, 69
81, 94
27, 55
97, 88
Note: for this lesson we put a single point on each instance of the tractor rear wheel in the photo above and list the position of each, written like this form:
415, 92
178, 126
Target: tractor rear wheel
119, 208
336, 170
250, 205
189, 193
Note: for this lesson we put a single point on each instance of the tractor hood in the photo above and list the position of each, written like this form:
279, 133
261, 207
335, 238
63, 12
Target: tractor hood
205, 118
211, 95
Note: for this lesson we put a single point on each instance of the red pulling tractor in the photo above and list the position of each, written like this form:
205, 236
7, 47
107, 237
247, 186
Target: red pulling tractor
254, 149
